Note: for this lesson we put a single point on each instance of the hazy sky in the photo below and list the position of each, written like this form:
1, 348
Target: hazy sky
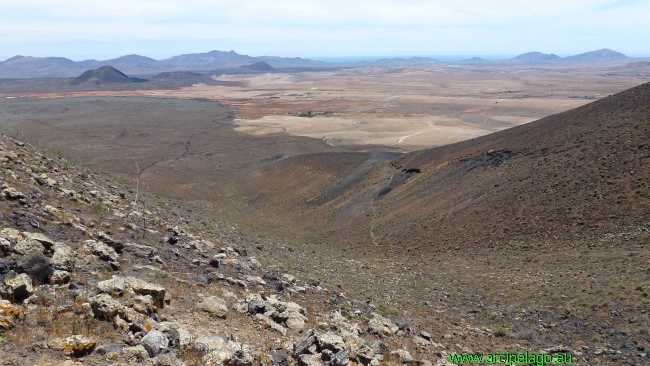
82, 29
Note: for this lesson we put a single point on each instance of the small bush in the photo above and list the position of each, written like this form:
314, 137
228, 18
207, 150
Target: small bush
499, 332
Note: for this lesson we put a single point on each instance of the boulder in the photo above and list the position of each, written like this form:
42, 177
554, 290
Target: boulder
105, 307
5, 246
381, 326
155, 343
60, 277
9, 314
44, 240
340, 359
221, 353
214, 305
143, 304
256, 305
101, 250
141, 287
114, 286
11, 193
302, 345
11, 235
331, 341
106, 239
63, 257
75, 345
6, 265
309, 360
17, 288
36, 265
27, 246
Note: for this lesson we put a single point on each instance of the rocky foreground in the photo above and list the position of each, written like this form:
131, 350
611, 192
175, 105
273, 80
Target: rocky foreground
91, 274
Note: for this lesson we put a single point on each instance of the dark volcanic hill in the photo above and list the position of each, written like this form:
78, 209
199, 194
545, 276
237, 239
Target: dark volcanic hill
258, 66
576, 175
104, 74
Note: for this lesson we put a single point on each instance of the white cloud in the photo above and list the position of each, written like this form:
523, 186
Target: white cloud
421, 26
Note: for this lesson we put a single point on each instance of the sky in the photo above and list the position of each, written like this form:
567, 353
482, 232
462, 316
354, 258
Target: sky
85, 29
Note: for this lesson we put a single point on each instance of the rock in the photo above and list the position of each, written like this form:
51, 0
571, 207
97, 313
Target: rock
143, 304
6, 265
155, 343
11, 193
135, 354
27, 246
331, 341
173, 336
214, 305
185, 338
288, 278
255, 280
105, 307
404, 355
76, 345
13, 236
63, 257
17, 288
309, 360
241, 358
36, 265
44, 180
101, 250
5, 246
214, 342
114, 286
55, 212
256, 305
272, 324
44, 240
426, 335
168, 359
115, 244
221, 350
214, 277
9, 314
340, 359
296, 322
60, 277
108, 349
381, 326
141, 287
302, 345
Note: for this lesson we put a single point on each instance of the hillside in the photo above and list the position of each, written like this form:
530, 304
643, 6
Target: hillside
96, 271
597, 56
103, 75
573, 176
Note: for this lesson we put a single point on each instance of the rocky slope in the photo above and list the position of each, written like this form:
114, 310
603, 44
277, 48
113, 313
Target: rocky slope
95, 272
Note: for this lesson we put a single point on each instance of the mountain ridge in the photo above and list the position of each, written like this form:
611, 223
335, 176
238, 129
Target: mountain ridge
38, 67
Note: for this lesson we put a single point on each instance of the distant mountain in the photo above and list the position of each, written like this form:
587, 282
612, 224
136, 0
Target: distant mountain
597, 56
35, 67
473, 61
32, 67
103, 75
210, 60
536, 57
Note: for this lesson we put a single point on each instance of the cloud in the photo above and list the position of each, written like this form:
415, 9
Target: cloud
421, 26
